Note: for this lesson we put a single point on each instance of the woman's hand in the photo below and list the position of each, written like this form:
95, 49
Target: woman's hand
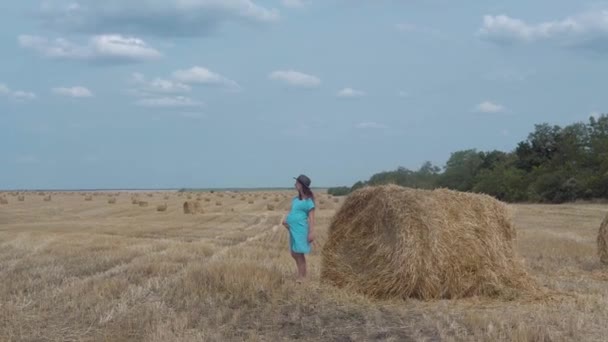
311, 237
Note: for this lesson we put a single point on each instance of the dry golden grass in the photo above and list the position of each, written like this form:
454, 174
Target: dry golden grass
96, 272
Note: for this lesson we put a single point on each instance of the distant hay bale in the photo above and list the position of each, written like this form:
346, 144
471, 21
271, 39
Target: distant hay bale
336, 200
3, 200
112, 200
270, 207
143, 203
166, 197
150, 195
218, 203
189, 197
602, 241
276, 199
47, 198
243, 198
394, 242
207, 199
192, 207
251, 201
264, 197
220, 195
134, 201
233, 196
161, 207
21, 198
88, 198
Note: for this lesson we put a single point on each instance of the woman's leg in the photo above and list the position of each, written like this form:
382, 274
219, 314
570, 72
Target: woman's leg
301, 263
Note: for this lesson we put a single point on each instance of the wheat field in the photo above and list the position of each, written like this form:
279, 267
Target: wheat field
75, 270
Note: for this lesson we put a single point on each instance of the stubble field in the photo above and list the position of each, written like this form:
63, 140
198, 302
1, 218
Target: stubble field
78, 268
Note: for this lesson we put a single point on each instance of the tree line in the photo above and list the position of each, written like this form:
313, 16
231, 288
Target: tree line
553, 165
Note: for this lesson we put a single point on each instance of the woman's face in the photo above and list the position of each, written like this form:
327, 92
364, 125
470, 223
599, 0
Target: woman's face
298, 186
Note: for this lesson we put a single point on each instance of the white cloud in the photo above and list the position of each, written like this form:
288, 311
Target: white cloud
489, 107
102, 48
587, 30
77, 91
158, 85
350, 93
294, 3
200, 75
169, 102
18, 95
152, 17
295, 78
371, 125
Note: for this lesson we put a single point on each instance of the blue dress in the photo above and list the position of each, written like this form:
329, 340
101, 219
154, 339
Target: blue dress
297, 220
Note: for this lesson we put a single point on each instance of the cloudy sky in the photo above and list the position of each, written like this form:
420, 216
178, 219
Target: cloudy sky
248, 93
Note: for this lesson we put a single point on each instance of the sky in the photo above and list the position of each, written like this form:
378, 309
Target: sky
251, 93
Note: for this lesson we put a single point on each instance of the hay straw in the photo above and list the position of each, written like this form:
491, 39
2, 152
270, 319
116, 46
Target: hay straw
47, 198
192, 207
161, 207
143, 203
88, 198
394, 242
218, 203
270, 207
3, 200
251, 201
112, 200
602, 241
21, 198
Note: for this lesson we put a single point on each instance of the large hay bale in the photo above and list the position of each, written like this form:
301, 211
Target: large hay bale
270, 207
3, 200
112, 200
602, 241
134, 201
21, 198
161, 207
47, 198
218, 203
192, 207
143, 203
394, 242
88, 198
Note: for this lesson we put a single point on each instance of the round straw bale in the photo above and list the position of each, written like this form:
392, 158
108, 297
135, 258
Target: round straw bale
602, 241
143, 203
112, 200
88, 198
3, 200
270, 207
192, 207
134, 201
161, 207
395, 242
218, 203
21, 198
47, 198
251, 201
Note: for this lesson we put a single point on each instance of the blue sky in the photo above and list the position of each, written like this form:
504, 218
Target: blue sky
249, 93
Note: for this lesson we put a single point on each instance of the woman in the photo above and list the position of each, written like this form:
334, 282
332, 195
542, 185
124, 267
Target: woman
300, 222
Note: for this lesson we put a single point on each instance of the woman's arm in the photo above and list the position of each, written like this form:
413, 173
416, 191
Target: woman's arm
311, 225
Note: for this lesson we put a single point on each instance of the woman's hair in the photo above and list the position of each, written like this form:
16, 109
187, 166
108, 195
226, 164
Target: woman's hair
306, 192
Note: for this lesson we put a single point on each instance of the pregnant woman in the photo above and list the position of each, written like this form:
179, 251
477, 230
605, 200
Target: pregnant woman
300, 223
